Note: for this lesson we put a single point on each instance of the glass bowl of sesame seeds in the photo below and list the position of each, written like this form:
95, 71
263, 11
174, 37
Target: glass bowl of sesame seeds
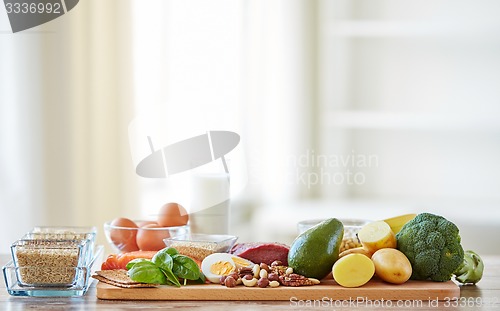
198, 246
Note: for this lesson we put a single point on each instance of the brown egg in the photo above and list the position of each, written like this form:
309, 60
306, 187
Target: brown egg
172, 214
147, 222
151, 240
124, 239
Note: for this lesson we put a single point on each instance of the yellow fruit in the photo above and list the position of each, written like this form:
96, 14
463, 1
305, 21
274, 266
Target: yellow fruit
377, 235
396, 223
391, 265
353, 270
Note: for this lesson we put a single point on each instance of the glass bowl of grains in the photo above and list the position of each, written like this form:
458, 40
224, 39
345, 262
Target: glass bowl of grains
198, 246
47, 262
351, 229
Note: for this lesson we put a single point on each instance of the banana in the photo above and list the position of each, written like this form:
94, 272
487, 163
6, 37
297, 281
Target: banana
396, 223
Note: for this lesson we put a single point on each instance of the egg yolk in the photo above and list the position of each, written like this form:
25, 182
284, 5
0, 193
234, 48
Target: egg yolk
241, 262
221, 268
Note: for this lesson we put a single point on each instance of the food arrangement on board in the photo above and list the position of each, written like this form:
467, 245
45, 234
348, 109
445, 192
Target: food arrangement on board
416, 247
163, 254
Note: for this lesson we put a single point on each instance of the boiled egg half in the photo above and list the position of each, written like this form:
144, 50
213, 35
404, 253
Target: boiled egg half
219, 264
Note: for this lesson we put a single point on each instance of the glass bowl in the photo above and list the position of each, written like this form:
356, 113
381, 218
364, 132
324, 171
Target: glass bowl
49, 262
65, 282
351, 229
125, 239
199, 246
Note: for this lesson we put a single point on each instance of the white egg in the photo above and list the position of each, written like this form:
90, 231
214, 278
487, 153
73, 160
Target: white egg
216, 265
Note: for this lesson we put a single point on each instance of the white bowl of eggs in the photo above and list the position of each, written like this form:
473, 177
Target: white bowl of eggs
126, 235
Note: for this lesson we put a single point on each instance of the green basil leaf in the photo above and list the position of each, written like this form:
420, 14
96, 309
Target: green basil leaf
163, 259
171, 277
131, 263
147, 272
185, 267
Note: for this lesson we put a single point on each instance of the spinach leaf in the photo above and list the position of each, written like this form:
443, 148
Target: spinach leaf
185, 267
171, 251
202, 279
131, 263
147, 272
171, 277
163, 259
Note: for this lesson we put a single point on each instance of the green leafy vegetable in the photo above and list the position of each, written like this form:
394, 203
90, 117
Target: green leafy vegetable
171, 277
171, 251
432, 244
147, 272
166, 267
131, 263
163, 259
186, 268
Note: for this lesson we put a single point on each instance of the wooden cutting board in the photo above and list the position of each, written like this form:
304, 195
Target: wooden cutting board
374, 290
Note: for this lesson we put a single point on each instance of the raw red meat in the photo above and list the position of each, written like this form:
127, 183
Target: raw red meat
262, 252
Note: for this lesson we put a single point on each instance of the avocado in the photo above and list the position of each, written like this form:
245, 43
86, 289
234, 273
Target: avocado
314, 252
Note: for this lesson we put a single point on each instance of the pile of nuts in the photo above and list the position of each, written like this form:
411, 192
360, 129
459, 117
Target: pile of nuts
264, 276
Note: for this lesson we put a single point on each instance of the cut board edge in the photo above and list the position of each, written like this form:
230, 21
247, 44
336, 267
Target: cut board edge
374, 290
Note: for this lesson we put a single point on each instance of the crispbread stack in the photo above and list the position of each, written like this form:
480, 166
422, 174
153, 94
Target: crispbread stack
119, 278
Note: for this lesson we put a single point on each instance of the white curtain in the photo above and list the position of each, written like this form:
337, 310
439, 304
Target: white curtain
65, 104
69, 90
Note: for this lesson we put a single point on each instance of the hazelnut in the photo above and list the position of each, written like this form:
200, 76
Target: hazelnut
222, 279
234, 275
263, 282
264, 266
273, 277
276, 263
230, 281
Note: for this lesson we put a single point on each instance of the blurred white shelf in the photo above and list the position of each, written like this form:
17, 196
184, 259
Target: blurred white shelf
415, 121
375, 28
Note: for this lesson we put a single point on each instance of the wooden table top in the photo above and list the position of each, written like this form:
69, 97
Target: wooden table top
484, 296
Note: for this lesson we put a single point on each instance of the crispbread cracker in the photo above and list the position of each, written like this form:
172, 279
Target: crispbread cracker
119, 278
136, 285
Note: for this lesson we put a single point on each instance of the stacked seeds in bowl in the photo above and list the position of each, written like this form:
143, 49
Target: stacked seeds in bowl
52, 256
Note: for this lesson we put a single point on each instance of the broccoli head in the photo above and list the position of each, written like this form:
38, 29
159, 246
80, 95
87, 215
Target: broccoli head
432, 244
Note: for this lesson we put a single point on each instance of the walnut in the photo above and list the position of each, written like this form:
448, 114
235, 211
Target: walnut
245, 271
297, 280
279, 270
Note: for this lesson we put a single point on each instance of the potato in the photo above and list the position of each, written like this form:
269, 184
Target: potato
377, 235
391, 265
353, 270
356, 250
